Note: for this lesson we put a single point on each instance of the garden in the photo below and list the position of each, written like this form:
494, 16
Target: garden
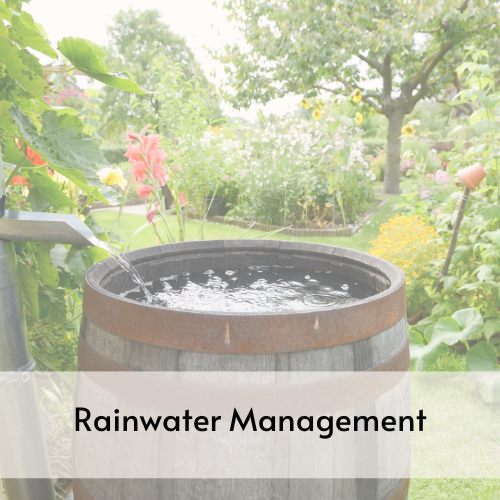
397, 106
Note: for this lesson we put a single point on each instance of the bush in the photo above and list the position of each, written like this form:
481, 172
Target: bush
412, 245
374, 145
114, 154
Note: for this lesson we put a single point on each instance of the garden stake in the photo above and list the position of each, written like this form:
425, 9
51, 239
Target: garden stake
453, 241
22, 442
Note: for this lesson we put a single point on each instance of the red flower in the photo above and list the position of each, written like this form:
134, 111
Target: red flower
151, 215
144, 191
17, 179
34, 157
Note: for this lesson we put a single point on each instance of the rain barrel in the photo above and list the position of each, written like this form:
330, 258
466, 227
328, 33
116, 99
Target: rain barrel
121, 334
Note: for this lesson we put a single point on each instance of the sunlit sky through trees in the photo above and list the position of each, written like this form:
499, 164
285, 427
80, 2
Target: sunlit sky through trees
198, 21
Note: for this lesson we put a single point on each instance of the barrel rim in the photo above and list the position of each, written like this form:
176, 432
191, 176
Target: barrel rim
121, 316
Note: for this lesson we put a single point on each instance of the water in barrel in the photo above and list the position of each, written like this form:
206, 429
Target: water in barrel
252, 289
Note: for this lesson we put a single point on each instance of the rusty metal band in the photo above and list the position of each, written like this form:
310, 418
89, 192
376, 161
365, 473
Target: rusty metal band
400, 493
242, 333
89, 360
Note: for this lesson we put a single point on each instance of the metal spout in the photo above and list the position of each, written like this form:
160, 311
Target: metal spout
40, 226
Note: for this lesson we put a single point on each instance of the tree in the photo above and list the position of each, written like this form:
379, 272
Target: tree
404, 51
135, 38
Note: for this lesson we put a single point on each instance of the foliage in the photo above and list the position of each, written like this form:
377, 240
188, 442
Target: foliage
471, 287
412, 245
307, 47
298, 170
133, 36
114, 154
50, 164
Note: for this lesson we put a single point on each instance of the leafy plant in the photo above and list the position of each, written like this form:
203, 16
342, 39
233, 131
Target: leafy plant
51, 164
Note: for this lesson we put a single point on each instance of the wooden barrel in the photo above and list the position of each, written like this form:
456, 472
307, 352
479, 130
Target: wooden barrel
121, 334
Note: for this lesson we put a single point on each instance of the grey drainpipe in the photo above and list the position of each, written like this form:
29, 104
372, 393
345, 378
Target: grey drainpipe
21, 434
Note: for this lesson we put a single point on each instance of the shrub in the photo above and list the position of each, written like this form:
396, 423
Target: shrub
374, 145
412, 245
114, 154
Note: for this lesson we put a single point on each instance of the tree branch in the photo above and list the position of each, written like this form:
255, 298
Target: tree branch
377, 65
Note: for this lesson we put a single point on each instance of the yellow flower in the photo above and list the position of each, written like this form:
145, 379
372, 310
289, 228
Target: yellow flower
359, 118
111, 176
317, 114
305, 103
408, 130
357, 96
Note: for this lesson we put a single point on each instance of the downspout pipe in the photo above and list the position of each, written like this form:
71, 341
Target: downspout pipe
22, 441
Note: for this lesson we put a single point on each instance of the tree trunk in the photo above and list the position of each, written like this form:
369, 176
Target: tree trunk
393, 162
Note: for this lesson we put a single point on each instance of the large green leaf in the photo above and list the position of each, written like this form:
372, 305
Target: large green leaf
50, 190
62, 142
6, 122
482, 358
463, 325
29, 35
89, 58
491, 327
48, 273
24, 76
423, 355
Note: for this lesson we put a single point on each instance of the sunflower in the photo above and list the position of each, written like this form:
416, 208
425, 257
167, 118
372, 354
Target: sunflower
317, 114
357, 96
408, 130
359, 118
305, 103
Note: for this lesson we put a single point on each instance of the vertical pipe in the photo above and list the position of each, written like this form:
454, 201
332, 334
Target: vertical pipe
22, 443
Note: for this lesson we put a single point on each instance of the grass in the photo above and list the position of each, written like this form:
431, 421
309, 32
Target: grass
128, 224
420, 489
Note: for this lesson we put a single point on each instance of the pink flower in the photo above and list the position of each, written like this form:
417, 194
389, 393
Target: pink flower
226, 178
144, 191
175, 152
442, 177
436, 211
425, 194
445, 164
179, 139
138, 170
431, 176
244, 173
131, 135
58, 101
151, 215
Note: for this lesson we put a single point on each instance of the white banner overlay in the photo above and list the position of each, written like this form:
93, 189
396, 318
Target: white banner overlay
261, 425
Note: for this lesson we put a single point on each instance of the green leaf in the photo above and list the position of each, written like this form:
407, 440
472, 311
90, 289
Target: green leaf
463, 325
89, 58
450, 283
48, 272
50, 190
6, 122
62, 141
112, 196
491, 327
424, 355
29, 284
22, 74
30, 36
487, 272
58, 256
482, 357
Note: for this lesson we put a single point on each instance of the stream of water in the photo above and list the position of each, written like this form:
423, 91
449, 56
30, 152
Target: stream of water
127, 266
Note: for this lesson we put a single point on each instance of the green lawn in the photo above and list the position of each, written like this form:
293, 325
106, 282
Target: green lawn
420, 489
128, 224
